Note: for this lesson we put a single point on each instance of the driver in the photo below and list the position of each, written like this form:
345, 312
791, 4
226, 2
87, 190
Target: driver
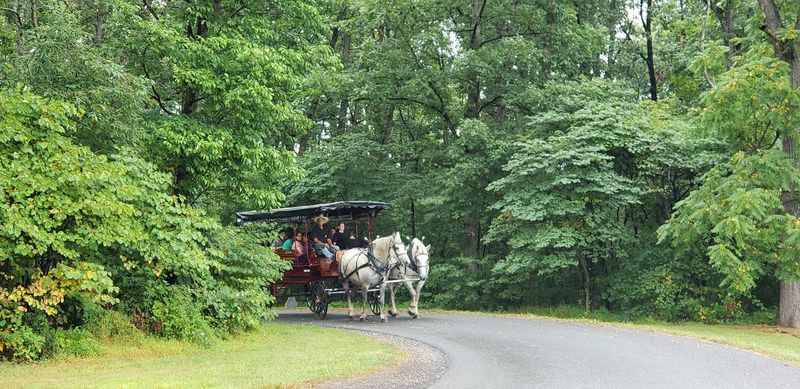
320, 241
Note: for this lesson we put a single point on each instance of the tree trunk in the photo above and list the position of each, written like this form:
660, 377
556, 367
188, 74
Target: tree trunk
344, 104
99, 18
587, 288
473, 80
17, 15
387, 123
413, 219
789, 311
648, 32
472, 238
725, 16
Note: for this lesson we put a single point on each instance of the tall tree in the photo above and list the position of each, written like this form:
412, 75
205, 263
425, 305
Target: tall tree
781, 23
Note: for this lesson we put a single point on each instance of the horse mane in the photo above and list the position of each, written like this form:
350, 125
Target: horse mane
381, 246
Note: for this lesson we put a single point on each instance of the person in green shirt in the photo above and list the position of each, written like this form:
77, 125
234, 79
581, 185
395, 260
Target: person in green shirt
287, 245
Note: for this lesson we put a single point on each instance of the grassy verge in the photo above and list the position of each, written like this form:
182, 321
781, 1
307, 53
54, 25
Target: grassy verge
276, 355
779, 343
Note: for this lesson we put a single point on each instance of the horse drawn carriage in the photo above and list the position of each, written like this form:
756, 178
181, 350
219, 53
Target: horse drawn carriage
317, 279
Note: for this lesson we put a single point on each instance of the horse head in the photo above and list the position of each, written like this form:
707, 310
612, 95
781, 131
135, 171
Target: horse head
420, 257
398, 250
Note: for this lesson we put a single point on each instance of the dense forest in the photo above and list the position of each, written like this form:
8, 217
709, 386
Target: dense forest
637, 156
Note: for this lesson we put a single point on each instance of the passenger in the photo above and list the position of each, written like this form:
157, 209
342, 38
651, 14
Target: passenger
299, 249
329, 238
281, 241
340, 237
287, 244
323, 249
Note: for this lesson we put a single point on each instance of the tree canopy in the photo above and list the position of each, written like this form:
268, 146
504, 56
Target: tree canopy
634, 156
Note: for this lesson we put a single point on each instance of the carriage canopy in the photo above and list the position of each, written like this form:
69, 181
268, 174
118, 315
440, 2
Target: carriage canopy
341, 210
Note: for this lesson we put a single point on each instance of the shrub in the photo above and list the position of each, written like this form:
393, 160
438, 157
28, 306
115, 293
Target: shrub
21, 344
77, 342
178, 316
105, 323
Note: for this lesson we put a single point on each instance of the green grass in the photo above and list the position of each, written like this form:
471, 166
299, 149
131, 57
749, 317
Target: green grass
276, 355
779, 343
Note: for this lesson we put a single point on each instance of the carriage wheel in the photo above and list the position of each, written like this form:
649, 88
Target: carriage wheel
318, 299
374, 301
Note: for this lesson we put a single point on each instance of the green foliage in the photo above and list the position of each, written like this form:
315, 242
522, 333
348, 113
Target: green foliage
81, 230
562, 196
227, 88
106, 324
76, 342
737, 215
753, 103
22, 344
178, 315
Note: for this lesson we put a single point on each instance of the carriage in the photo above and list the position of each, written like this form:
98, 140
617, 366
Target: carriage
316, 279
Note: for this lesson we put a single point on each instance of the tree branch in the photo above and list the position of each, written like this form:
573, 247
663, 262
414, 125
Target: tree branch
149, 9
772, 26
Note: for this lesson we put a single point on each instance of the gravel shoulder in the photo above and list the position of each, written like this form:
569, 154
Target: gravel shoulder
421, 366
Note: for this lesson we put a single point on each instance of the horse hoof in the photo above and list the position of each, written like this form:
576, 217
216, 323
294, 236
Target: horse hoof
362, 318
384, 320
412, 314
394, 314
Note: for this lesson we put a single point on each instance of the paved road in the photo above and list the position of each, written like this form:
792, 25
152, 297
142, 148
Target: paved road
495, 352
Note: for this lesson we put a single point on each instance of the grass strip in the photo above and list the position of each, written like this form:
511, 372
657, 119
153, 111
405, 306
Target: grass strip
275, 355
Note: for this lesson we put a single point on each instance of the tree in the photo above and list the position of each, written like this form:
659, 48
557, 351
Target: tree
227, 84
782, 33
563, 196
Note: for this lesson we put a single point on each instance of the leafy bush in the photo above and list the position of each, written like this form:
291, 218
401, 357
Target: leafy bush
178, 316
105, 323
77, 342
22, 343
80, 231
460, 283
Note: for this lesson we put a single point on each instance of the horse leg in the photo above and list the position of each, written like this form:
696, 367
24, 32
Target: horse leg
346, 286
412, 305
383, 299
419, 293
393, 310
364, 303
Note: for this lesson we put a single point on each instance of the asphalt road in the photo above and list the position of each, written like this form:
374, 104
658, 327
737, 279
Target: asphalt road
498, 352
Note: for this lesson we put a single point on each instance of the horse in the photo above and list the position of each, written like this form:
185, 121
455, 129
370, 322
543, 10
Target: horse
418, 267
364, 269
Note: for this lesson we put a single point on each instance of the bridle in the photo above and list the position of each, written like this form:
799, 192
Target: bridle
414, 262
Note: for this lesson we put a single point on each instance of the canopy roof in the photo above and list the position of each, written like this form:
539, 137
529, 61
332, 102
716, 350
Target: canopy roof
341, 210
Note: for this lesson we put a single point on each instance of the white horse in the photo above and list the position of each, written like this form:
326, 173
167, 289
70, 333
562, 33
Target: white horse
365, 268
418, 268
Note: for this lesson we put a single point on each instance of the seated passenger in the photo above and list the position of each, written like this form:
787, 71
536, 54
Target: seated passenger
287, 244
299, 249
340, 237
323, 249
286, 236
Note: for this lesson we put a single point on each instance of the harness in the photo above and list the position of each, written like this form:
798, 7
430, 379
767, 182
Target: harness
375, 264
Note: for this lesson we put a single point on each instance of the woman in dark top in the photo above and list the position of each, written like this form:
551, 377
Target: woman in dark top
340, 237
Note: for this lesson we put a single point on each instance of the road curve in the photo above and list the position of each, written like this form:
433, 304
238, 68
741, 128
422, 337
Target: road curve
500, 352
